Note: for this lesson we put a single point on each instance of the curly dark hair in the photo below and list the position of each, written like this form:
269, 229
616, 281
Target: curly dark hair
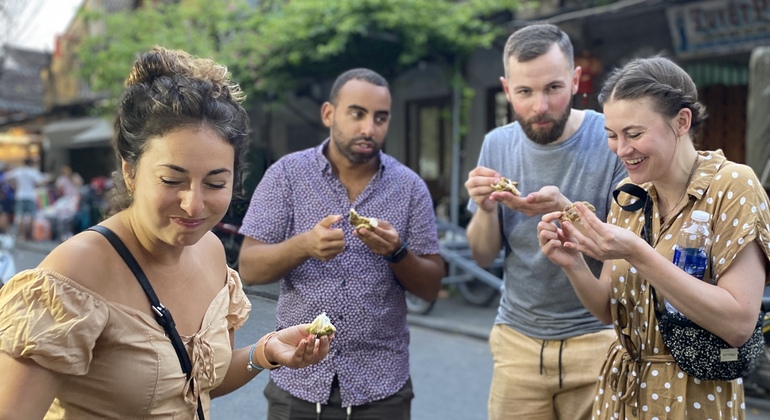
170, 89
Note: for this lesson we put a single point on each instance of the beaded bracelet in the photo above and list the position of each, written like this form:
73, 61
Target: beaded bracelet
251, 366
262, 361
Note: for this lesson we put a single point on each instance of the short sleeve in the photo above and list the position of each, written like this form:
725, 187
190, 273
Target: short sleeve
240, 306
422, 235
51, 320
269, 211
741, 215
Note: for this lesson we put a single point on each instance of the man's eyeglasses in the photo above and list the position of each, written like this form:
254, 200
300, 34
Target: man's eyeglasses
625, 339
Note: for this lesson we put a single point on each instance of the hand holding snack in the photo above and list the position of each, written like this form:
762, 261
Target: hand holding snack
385, 240
293, 347
324, 241
479, 187
570, 214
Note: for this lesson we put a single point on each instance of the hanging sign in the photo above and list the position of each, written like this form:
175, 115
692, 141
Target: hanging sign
719, 27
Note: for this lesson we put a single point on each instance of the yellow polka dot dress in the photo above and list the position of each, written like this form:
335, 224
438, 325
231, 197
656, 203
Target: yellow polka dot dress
648, 384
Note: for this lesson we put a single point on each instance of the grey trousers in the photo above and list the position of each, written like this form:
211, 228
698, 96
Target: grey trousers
284, 406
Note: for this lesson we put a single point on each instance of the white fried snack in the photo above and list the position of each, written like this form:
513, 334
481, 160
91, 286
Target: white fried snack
506, 184
322, 325
360, 221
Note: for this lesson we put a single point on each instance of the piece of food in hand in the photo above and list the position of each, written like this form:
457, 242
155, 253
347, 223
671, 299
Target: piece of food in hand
506, 184
361, 222
322, 325
570, 214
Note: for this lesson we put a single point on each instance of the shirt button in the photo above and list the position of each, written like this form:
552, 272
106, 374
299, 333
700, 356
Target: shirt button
344, 282
341, 317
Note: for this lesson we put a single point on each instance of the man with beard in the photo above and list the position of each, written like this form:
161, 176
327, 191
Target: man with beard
547, 348
295, 232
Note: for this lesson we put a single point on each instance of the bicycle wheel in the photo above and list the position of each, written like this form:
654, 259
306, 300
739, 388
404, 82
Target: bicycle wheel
418, 305
477, 292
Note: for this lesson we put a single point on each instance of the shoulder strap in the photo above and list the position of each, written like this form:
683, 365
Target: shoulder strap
643, 201
162, 315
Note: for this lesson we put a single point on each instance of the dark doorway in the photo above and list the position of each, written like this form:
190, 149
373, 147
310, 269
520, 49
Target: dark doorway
428, 146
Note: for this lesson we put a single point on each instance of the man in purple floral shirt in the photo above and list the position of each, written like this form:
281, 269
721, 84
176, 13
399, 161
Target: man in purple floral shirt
296, 230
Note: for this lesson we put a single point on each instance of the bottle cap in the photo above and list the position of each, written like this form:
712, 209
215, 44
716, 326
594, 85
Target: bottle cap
700, 216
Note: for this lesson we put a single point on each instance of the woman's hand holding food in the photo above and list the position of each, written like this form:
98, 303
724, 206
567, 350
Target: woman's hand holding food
598, 240
296, 347
552, 240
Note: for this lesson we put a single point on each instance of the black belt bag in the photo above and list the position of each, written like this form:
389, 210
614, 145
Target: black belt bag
697, 351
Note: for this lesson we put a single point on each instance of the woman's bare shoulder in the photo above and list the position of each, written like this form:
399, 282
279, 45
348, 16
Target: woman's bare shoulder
84, 258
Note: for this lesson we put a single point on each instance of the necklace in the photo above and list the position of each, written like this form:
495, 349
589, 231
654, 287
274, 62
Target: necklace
686, 184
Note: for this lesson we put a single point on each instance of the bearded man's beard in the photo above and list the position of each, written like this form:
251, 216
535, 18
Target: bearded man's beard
346, 147
544, 137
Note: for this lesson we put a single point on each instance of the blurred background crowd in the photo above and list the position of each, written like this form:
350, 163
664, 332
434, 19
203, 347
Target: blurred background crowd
43, 206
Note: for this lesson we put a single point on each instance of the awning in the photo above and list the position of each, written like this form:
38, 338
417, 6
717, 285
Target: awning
79, 132
98, 133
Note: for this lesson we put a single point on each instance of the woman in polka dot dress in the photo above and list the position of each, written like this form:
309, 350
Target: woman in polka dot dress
651, 111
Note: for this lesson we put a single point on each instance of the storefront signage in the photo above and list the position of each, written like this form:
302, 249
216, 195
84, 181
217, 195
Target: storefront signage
719, 27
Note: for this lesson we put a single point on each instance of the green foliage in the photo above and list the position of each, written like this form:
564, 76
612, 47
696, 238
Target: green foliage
302, 41
199, 27
281, 46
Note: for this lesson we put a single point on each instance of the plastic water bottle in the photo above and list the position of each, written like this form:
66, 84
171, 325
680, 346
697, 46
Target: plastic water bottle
691, 252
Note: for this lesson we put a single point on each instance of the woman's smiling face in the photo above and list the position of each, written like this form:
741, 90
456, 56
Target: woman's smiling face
641, 137
182, 185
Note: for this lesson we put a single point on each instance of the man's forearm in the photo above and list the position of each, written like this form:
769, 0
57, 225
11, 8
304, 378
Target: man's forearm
484, 237
262, 263
420, 274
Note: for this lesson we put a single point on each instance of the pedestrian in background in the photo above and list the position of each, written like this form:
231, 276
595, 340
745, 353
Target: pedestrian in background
652, 112
545, 343
68, 185
25, 179
78, 338
6, 201
295, 231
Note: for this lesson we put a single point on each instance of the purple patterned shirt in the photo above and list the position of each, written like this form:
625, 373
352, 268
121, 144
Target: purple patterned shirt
357, 289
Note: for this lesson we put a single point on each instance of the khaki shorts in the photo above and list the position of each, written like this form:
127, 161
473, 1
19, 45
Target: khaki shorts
545, 379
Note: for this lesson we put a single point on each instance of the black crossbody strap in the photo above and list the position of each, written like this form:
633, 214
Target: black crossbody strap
643, 202
162, 315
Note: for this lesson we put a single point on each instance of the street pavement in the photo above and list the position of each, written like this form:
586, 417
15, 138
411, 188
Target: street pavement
450, 359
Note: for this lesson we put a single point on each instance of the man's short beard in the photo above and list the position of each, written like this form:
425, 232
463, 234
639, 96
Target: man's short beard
346, 147
544, 137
